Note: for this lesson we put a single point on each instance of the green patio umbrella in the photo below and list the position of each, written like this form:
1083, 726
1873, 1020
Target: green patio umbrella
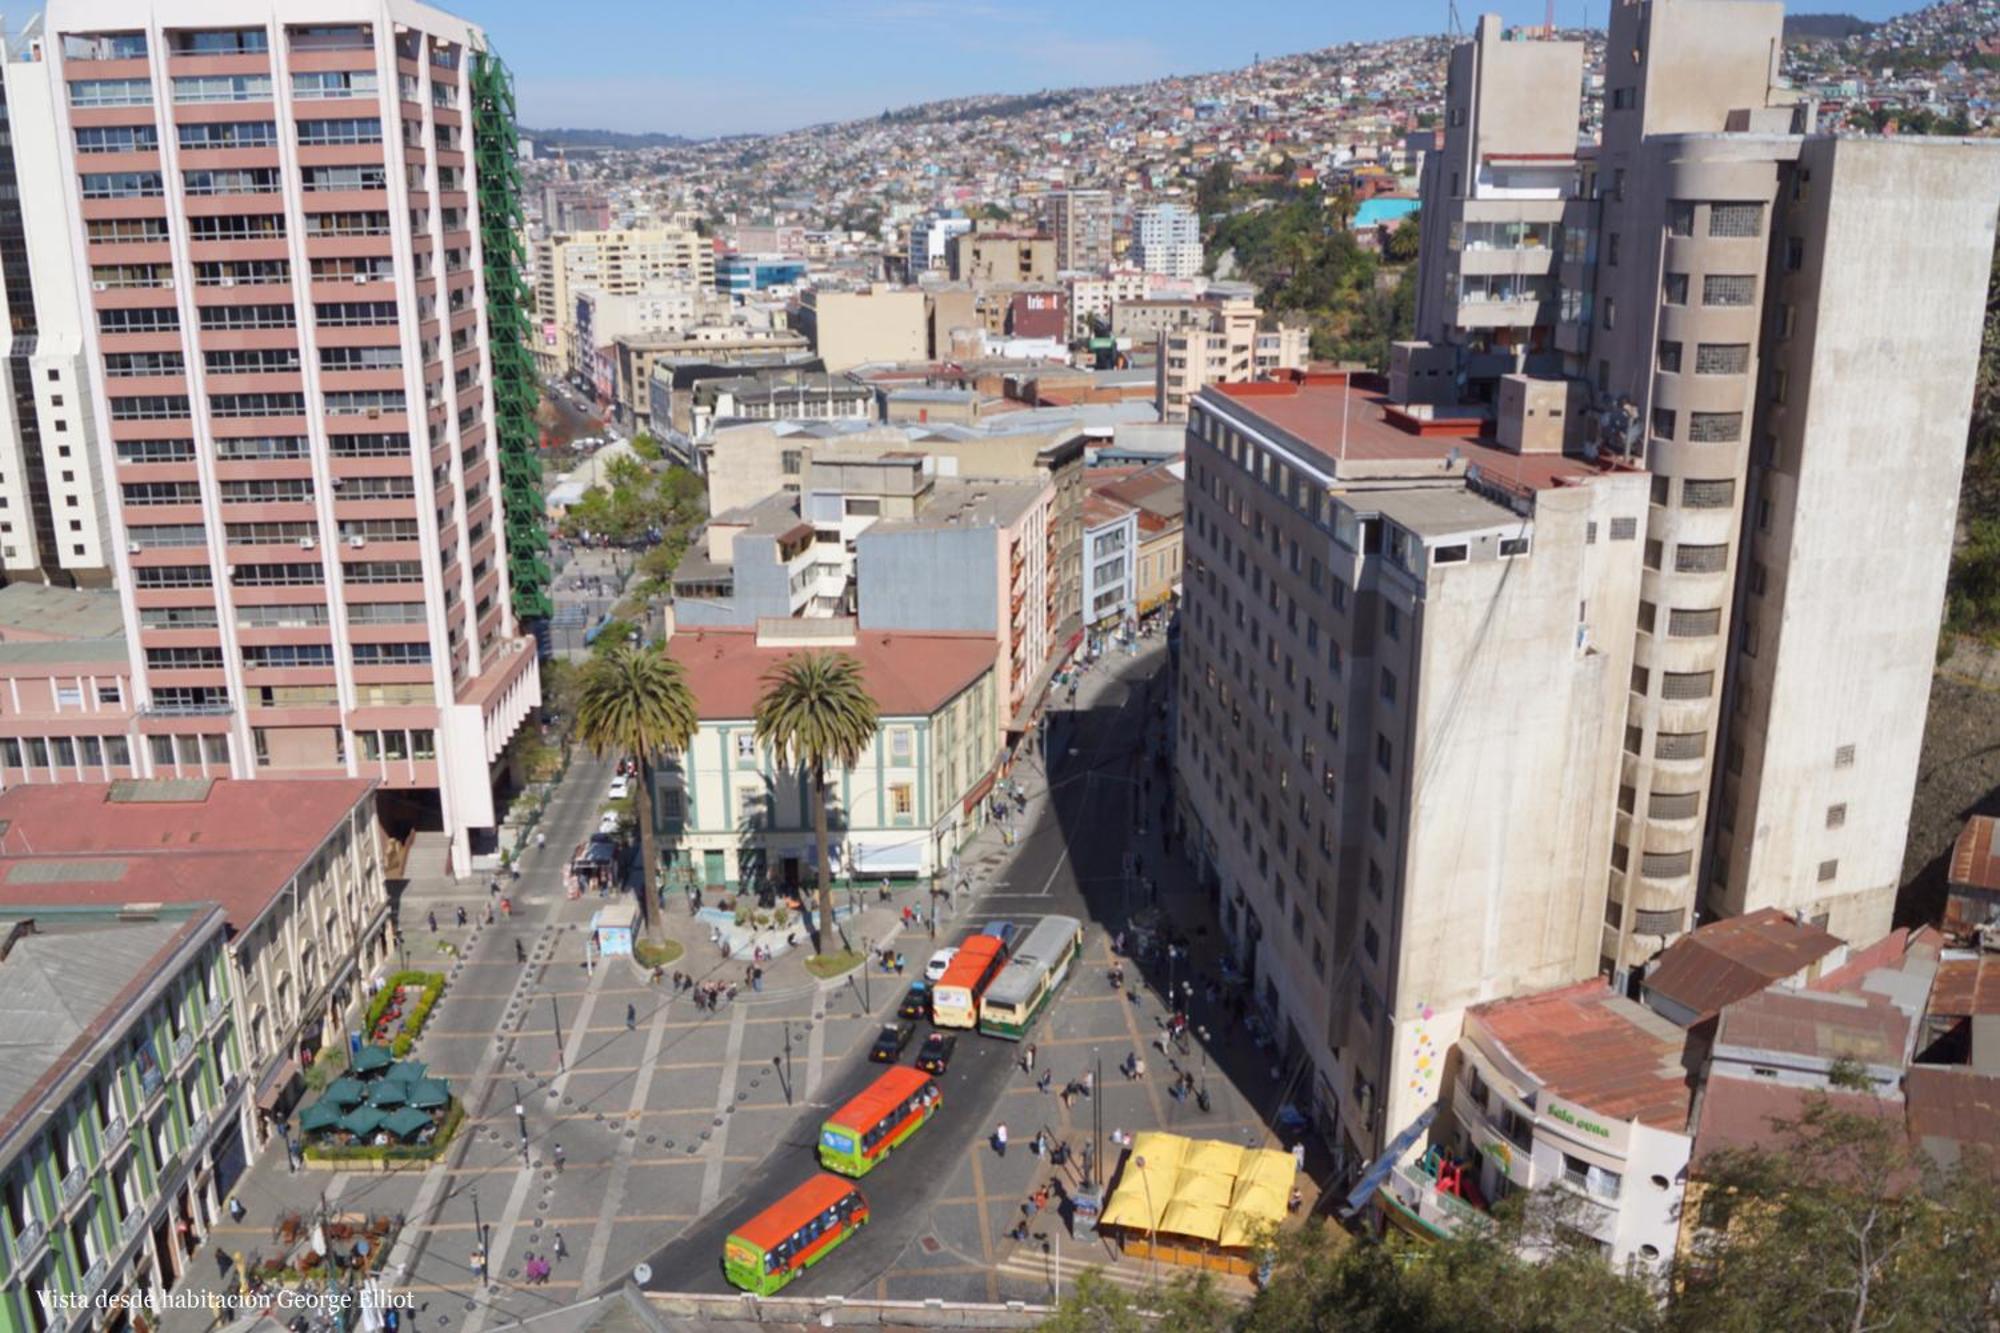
407, 1071
427, 1093
405, 1122
362, 1121
372, 1060
344, 1092
321, 1115
388, 1093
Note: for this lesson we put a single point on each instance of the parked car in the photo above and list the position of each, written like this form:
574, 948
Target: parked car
916, 1001
934, 969
935, 1054
608, 824
890, 1041
621, 787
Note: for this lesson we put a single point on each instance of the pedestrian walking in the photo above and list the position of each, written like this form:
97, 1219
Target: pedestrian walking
1042, 1085
1299, 1156
520, 951
1000, 1139
541, 841
221, 1262
562, 1250
461, 914
557, 1153
433, 918
631, 1017
235, 1210
1030, 1056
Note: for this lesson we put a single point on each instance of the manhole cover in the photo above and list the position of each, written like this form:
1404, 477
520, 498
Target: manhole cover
930, 1244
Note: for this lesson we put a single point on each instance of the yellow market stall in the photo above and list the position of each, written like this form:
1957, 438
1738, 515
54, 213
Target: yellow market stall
1201, 1203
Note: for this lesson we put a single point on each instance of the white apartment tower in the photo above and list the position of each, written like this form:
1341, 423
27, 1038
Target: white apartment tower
1166, 239
52, 499
276, 220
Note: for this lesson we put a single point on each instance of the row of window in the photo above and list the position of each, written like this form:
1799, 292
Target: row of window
326, 315
267, 447
299, 574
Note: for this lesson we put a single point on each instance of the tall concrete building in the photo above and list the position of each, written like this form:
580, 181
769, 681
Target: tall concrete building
1219, 342
930, 241
52, 500
1082, 223
1166, 239
658, 261
296, 237
1750, 308
1404, 654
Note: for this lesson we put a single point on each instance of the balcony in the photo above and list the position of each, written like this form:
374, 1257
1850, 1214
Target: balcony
1413, 1200
27, 1243
93, 1277
115, 1135
73, 1183
205, 708
183, 1047
134, 1223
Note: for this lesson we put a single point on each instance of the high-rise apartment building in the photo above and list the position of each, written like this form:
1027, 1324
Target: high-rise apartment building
618, 263
1716, 312
297, 236
1166, 239
1081, 221
52, 501
930, 241
1403, 651
1712, 278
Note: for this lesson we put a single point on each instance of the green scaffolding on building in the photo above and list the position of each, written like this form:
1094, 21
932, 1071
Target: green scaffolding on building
495, 144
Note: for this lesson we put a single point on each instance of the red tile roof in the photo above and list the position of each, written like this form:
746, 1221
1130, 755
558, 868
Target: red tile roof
1591, 1046
238, 845
909, 673
1973, 862
1726, 960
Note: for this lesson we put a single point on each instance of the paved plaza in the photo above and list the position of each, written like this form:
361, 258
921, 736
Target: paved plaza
676, 1123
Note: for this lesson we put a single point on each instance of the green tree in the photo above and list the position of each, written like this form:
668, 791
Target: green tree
635, 701
1404, 241
816, 712
1839, 1223
1212, 192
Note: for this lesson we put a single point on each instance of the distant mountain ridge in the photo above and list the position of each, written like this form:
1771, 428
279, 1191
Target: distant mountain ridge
602, 139
1826, 27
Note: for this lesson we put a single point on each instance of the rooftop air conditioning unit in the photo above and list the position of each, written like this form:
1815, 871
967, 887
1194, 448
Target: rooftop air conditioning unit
357, 541
134, 547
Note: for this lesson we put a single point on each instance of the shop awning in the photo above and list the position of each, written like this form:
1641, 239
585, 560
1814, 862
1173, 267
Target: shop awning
882, 858
276, 1083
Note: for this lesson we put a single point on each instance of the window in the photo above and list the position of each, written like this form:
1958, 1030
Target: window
1591, 1178
1715, 427
1664, 420
347, 131
140, 319
1703, 559
200, 88
334, 83
237, 227
1708, 494
1836, 815
1624, 99
1670, 357
902, 745
902, 800
1721, 358
1388, 686
111, 92
1735, 220
1795, 254
229, 134
1728, 289
1384, 753
122, 185
1828, 870
1624, 529
1693, 624
1680, 219
1674, 288
251, 180
1610, 313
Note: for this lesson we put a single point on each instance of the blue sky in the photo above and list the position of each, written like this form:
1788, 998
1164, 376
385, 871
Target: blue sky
699, 67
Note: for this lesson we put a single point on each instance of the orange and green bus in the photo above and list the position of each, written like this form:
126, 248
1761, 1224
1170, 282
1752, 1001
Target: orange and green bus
955, 999
855, 1139
793, 1234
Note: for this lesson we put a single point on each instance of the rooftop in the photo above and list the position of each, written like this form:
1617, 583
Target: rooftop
1591, 1046
960, 503
1309, 408
1725, 961
1438, 511
910, 674
1739, 1112
1817, 1024
55, 652
1967, 985
1974, 862
42, 611
58, 982
1100, 509
1951, 1106
228, 841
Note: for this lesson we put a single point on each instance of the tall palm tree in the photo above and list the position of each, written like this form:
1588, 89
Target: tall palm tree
816, 713
635, 701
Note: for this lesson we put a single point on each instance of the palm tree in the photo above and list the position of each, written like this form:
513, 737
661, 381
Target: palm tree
635, 701
816, 713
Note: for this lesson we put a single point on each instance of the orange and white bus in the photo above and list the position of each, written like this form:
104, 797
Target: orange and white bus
955, 999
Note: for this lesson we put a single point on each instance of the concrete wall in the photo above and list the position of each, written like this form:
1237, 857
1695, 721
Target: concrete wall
928, 578
1852, 522
850, 328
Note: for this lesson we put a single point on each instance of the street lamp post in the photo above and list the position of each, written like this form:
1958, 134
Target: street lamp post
867, 954
788, 1062
555, 1015
1153, 1224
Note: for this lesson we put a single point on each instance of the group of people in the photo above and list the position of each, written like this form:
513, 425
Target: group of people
709, 995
